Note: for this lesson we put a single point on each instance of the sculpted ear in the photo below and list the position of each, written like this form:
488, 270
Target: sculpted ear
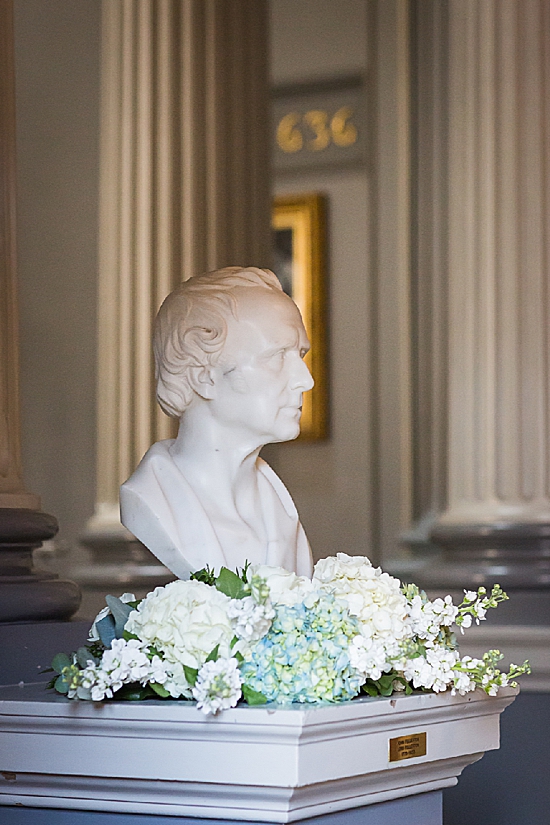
202, 381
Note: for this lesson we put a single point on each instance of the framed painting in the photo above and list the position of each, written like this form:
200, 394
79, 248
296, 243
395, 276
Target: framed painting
299, 253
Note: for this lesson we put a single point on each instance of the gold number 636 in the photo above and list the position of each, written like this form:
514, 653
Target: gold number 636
339, 130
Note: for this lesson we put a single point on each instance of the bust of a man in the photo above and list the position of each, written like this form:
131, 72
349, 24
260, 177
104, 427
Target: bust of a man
229, 348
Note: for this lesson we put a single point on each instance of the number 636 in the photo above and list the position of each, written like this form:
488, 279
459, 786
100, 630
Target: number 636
292, 130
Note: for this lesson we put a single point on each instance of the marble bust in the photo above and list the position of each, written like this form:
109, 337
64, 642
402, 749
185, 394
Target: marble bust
229, 348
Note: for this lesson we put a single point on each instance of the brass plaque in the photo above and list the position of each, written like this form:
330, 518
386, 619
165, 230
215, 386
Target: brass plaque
408, 746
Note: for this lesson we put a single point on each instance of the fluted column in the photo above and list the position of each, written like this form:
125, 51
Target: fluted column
495, 524
25, 593
184, 189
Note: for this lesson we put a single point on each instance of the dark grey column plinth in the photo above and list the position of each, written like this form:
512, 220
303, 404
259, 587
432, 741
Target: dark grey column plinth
27, 594
516, 556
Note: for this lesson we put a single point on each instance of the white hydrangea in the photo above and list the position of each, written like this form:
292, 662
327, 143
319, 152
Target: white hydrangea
374, 597
176, 684
285, 588
218, 686
251, 620
184, 621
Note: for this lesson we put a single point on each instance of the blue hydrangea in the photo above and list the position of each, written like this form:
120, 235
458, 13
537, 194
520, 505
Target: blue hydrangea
304, 656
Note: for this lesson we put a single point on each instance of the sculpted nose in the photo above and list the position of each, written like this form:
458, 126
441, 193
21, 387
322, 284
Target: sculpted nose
302, 378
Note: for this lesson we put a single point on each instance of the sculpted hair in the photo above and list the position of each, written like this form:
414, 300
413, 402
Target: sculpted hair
191, 328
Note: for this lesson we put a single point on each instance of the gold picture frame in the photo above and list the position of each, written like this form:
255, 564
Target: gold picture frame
299, 239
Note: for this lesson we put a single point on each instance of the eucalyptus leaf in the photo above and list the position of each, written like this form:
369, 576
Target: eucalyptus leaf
191, 674
231, 584
253, 697
60, 661
61, 685
120, 612
83, 656
106, 630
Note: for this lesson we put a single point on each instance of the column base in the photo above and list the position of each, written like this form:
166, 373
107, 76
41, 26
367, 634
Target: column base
27, 594
117, 563
516, 556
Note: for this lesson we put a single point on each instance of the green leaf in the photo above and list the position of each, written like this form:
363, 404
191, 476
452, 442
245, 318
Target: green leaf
238, 656
244, 572
213, 655
160, 690
126, 635
83, 656
134, 692
61, 685
96, 650
230, 584
120, 612
370, 688
253, 697
60, 661
191, 674
205, 575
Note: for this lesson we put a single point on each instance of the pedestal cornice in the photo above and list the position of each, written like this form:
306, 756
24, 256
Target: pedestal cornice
268, 764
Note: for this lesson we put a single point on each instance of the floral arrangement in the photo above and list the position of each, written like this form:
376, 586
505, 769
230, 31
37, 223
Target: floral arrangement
267, 635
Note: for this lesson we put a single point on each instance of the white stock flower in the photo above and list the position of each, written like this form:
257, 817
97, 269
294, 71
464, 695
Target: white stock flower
251, 620
218, 686
465, 622
124, 662
159, 671
285, 588
368, 657
462, 683
185, 621
427, 618
93, 635
434, 671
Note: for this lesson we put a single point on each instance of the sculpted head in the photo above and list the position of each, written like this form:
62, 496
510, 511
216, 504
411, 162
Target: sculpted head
191, 331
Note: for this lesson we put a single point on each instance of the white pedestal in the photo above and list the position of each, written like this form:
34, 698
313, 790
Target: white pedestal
266, 764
